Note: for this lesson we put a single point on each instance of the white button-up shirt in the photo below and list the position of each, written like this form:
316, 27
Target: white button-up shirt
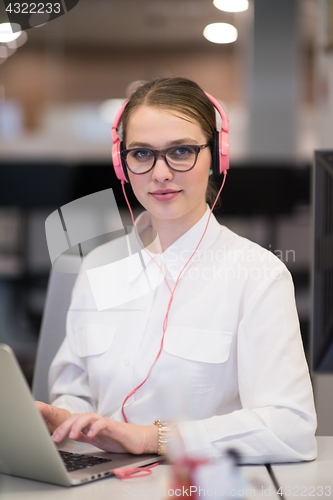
232, 369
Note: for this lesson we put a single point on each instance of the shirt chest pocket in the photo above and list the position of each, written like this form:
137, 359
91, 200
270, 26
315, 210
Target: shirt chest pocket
205, 346
94, 339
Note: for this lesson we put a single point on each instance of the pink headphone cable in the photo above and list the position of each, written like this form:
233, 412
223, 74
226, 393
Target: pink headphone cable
165, 322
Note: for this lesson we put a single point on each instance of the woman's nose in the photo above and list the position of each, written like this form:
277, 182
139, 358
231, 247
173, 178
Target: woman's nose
161, 171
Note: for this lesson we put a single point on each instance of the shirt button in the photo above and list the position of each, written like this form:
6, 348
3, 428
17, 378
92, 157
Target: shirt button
126, 362
144, 308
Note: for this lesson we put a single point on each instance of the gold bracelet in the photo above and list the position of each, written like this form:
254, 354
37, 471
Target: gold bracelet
163, 435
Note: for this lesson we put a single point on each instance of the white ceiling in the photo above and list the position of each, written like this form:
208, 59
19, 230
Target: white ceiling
153, 23
137, 23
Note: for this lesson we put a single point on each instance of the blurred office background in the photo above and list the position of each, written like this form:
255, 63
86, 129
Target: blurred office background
62, 82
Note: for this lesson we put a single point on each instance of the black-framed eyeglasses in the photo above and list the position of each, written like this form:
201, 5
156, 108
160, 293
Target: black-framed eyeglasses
180, 158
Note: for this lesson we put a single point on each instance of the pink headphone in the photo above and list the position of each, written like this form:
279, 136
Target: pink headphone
220, 146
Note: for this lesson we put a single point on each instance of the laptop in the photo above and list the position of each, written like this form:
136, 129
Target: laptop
26, 448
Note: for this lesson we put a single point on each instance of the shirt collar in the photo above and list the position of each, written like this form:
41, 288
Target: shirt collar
176, 256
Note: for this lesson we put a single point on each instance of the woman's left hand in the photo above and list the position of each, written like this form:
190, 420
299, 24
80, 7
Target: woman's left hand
108, 435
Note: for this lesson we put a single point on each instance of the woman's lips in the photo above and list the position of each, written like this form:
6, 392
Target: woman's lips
165, 196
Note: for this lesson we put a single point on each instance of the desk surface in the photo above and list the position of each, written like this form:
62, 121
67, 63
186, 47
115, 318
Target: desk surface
307, 475
308, 479
150, 487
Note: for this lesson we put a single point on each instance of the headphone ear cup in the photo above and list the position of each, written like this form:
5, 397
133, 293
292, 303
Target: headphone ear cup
118, 164
119, 167
123, 164
220, 148
224, 150
216, 153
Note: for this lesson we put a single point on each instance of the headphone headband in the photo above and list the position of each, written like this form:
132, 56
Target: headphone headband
218, 106
114, 132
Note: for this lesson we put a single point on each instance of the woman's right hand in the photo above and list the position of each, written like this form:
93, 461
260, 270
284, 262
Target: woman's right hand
52, 415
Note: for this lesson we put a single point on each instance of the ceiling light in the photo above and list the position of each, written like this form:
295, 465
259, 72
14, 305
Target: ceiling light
6, 33
19, 41
231, 5
15, 44
220, 33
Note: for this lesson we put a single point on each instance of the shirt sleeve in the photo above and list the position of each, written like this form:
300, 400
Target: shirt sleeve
277, 421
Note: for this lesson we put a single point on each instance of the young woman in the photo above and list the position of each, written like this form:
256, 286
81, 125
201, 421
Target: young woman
222, 324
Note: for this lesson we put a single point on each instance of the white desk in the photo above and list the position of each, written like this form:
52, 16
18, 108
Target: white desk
308, 479
112, 488
14, 488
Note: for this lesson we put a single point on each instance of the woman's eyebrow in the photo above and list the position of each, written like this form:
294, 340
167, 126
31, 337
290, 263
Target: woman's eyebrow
139, 144
176, 142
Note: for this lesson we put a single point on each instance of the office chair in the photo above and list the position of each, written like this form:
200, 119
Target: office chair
53, 327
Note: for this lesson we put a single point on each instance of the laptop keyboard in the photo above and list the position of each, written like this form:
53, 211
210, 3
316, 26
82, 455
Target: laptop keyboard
75, 461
